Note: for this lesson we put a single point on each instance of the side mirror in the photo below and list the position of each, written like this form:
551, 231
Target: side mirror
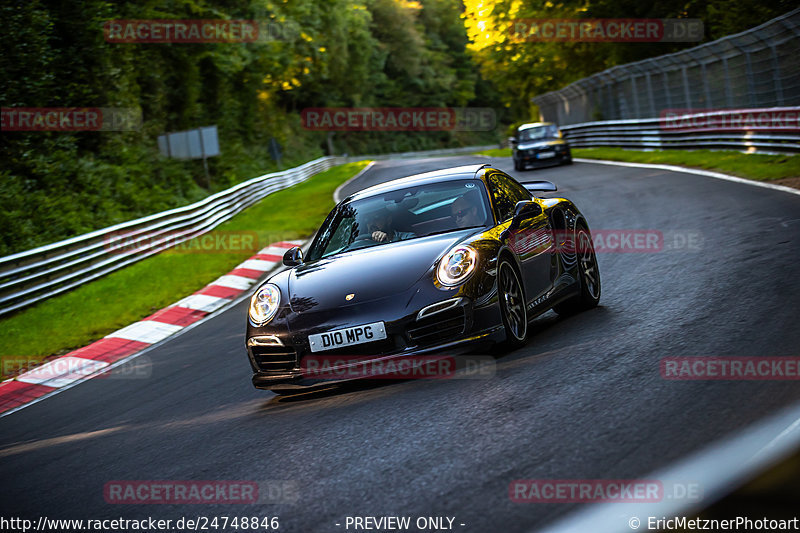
293, 257
512, 141
524, 210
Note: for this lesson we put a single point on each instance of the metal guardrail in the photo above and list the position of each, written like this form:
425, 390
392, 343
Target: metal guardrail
40, 273
34, 275
710, 130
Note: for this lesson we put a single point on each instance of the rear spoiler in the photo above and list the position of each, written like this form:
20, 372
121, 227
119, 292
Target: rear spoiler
540, 186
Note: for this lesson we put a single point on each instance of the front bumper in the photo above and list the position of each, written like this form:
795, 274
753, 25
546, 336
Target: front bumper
532, 159
280, 362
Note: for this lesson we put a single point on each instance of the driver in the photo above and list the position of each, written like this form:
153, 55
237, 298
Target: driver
464, 210
379, 226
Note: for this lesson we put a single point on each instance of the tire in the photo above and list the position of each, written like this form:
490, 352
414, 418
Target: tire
512, 304
588, 277
518, 166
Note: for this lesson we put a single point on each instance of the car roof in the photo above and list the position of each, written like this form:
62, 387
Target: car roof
534, 125
436, 176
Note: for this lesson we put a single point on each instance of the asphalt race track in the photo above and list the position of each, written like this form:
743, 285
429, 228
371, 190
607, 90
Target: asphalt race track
584, 399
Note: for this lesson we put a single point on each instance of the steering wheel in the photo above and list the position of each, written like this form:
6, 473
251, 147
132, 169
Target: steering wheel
361, 241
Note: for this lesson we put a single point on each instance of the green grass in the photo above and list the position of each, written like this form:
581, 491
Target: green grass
759, 167
75, 319
496, 152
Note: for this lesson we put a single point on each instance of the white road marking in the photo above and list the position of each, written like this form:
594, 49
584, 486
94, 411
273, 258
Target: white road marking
707, 173
62, 371
234, 282
148, 331
202, 302
257, 264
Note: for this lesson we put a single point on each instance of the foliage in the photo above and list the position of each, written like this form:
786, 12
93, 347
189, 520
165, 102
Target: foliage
318, 53
523, 69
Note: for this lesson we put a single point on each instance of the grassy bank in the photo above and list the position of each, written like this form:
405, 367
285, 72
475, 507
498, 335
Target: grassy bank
79, 317
497, 152
759, 167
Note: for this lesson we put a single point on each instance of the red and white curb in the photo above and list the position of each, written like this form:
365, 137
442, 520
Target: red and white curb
85, 363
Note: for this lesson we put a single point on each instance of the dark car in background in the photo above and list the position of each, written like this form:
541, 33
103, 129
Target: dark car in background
437, 261
539, 144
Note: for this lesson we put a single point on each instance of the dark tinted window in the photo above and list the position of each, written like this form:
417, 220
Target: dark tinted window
403, 214
506, 192
538, 133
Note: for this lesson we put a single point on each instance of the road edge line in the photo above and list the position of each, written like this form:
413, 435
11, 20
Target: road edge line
687, 170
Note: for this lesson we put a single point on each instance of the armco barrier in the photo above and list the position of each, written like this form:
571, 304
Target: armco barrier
34, 275
724, 129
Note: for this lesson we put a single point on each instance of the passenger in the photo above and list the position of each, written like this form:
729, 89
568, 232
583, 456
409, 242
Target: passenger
464, 210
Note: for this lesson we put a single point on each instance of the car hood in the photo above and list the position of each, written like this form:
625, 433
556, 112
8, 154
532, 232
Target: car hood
368, 274
539, 144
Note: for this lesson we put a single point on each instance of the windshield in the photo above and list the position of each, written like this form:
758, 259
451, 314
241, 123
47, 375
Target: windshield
537, 133
402, 214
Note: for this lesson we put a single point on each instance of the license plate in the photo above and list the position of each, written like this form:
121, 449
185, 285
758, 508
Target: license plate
545, 155
347, 336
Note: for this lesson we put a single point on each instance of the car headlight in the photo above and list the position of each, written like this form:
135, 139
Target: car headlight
457, 265
264, 304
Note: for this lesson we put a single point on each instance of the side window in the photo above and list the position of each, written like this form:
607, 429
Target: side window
517, 191
505, 195
341, 237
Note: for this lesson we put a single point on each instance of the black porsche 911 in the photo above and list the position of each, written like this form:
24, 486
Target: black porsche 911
434, 263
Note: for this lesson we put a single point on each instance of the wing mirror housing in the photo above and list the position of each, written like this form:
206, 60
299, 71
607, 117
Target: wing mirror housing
524, 210
293, 257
